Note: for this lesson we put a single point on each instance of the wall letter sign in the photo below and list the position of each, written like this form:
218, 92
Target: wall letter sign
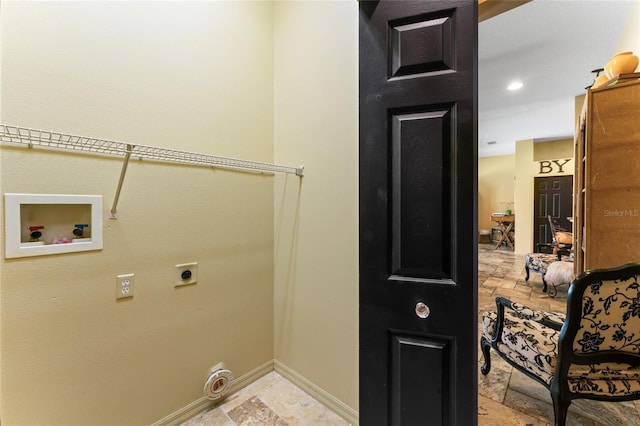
548, 166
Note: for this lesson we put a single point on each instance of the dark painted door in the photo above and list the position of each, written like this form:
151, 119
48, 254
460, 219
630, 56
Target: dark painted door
553, 196
418, 214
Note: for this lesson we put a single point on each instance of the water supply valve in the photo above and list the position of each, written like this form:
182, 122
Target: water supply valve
35, 233
78, 231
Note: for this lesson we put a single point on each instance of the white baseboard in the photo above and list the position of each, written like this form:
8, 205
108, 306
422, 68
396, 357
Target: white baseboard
319, 394
185, 413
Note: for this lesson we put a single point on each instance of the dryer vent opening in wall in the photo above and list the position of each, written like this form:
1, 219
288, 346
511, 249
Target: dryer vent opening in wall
218, 382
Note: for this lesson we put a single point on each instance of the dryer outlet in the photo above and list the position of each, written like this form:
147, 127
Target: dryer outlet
186, 274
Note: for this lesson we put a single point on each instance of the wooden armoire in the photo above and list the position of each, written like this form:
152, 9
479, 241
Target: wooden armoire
607, 178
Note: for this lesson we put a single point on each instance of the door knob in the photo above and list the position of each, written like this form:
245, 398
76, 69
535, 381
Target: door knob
422, 310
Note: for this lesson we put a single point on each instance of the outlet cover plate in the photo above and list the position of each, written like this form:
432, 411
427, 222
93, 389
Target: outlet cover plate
125, 285
186, 274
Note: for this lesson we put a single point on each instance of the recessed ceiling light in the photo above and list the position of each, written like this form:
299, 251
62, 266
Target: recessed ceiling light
515, 85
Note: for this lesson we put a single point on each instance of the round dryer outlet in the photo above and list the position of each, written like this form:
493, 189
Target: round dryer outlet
218, 382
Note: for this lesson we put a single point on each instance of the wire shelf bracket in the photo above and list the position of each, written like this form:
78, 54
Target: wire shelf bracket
60, 141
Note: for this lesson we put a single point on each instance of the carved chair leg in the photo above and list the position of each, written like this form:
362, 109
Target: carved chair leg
560, 408
526, 270
486, 349
544, 285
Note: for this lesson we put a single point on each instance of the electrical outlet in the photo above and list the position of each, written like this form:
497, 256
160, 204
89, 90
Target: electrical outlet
186, 273
125, 284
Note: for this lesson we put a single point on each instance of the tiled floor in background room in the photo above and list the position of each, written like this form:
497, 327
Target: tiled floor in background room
505, 397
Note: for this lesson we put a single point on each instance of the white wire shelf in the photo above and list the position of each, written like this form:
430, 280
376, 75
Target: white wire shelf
61, 141
32, 137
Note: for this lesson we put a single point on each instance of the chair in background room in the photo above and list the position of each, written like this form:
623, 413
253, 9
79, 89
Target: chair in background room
562, 240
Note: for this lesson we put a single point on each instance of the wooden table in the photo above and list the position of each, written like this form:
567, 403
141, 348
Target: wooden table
506, 224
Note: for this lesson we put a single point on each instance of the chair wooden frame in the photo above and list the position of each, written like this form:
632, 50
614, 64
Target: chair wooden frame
568, 354
562, 240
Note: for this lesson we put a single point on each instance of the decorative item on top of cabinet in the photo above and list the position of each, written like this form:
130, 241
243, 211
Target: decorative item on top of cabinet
622, 63
607, 178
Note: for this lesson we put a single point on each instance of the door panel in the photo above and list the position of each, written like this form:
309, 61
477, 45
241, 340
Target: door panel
420, 172
418, 214
414, 360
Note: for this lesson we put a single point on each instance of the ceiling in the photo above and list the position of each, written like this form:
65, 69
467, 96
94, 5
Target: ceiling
551, 46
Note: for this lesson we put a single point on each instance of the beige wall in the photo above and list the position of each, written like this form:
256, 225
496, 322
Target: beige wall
192, 76
630, 33
316, 255
495, 187
561, 148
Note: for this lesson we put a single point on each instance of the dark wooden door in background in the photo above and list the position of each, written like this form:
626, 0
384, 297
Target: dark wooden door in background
553, 196
418, 213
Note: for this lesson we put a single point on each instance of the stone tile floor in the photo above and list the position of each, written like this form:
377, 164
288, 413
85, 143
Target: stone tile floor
269, 401
505, 397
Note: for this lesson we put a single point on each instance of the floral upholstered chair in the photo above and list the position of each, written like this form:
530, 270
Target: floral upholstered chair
593, 352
